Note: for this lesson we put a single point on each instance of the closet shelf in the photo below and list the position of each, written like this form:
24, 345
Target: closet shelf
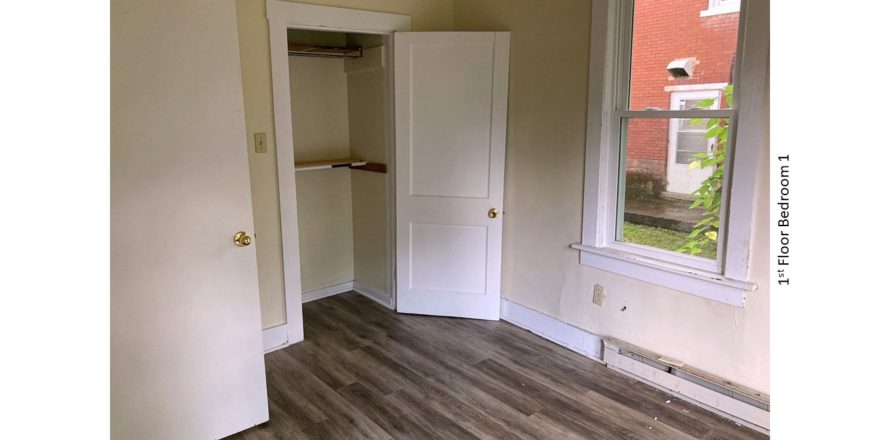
355, 164
311, 50
325, 164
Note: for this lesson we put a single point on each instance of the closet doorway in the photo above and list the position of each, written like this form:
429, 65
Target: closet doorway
341, 152
391, 151
332, 83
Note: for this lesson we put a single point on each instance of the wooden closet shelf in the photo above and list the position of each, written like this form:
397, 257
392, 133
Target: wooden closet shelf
355, 164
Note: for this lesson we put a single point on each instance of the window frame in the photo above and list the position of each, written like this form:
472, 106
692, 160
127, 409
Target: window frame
724, 279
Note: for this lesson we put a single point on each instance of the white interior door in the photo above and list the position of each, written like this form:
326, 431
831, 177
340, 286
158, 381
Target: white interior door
451, 123
186, 346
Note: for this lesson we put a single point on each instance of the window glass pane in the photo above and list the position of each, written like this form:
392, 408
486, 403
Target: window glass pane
671, 194
688, 144
675, 49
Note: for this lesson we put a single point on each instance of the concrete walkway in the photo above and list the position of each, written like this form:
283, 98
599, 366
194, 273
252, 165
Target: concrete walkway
662, 213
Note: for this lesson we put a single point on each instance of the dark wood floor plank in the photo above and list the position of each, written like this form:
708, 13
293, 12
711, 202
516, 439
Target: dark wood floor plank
446, 401
367, 372
545, 364
433, 421
324, 364
340, 413
385, 415
449, 382
584, 414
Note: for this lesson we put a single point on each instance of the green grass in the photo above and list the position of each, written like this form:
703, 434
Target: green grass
660, 238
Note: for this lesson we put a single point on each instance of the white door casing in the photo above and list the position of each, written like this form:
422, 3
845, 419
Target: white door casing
186, 347
451, 123
680, 178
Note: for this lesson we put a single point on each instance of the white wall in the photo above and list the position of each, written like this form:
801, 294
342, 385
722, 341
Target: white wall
319, 104
544, 198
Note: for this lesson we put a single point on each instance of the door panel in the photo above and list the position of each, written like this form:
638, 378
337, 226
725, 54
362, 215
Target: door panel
186, 345
451, 118
459, 249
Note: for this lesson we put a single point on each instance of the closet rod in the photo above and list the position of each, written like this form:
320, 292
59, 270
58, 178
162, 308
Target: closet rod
309, 50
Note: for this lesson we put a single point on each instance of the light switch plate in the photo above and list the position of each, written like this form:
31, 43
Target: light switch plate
598, 294
259, 142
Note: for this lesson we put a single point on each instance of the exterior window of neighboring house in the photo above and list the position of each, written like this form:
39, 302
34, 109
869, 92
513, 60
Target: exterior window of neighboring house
660, 201
717, 7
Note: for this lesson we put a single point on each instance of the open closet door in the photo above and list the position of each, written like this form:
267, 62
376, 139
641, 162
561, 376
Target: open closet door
451, 123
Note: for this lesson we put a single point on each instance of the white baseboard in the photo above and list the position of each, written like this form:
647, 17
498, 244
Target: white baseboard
568, 336
327, 291
275, 338
375, 295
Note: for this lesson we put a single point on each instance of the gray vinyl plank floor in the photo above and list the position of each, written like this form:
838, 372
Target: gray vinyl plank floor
366, 372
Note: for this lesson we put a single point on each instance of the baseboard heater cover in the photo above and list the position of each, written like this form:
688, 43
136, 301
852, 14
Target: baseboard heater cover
741, 404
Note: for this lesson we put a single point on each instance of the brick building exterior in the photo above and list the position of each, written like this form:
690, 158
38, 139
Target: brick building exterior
663, 31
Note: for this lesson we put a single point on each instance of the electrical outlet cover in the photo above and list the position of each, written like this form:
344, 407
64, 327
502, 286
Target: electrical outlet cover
598, 294
259, 142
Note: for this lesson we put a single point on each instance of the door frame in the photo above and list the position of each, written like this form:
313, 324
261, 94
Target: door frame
283, 15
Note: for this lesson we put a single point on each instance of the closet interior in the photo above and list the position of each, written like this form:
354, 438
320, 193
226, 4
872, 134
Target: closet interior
341, 153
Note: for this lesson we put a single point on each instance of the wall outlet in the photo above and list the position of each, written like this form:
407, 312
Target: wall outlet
598, 294
259, 142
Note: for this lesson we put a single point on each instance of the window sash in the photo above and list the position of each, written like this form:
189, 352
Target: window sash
616, 99
616, 194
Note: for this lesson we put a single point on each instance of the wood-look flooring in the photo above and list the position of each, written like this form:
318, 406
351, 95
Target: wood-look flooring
366, 372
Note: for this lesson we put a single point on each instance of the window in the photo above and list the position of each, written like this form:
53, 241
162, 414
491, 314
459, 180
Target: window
718, 7
664, 132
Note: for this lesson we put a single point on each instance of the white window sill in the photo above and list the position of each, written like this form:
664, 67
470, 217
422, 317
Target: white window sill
704, 284
718, 10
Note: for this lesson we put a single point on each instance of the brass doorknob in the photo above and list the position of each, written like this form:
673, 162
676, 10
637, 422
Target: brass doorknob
241, 239
493, 213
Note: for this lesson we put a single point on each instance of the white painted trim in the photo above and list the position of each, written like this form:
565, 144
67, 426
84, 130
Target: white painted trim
704, 284
286, 179
275, 338
690, 87
380, 297
748, 132
608, 91
335, 289
391, 177
566, 335
283, 15
721, 404
326, 18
